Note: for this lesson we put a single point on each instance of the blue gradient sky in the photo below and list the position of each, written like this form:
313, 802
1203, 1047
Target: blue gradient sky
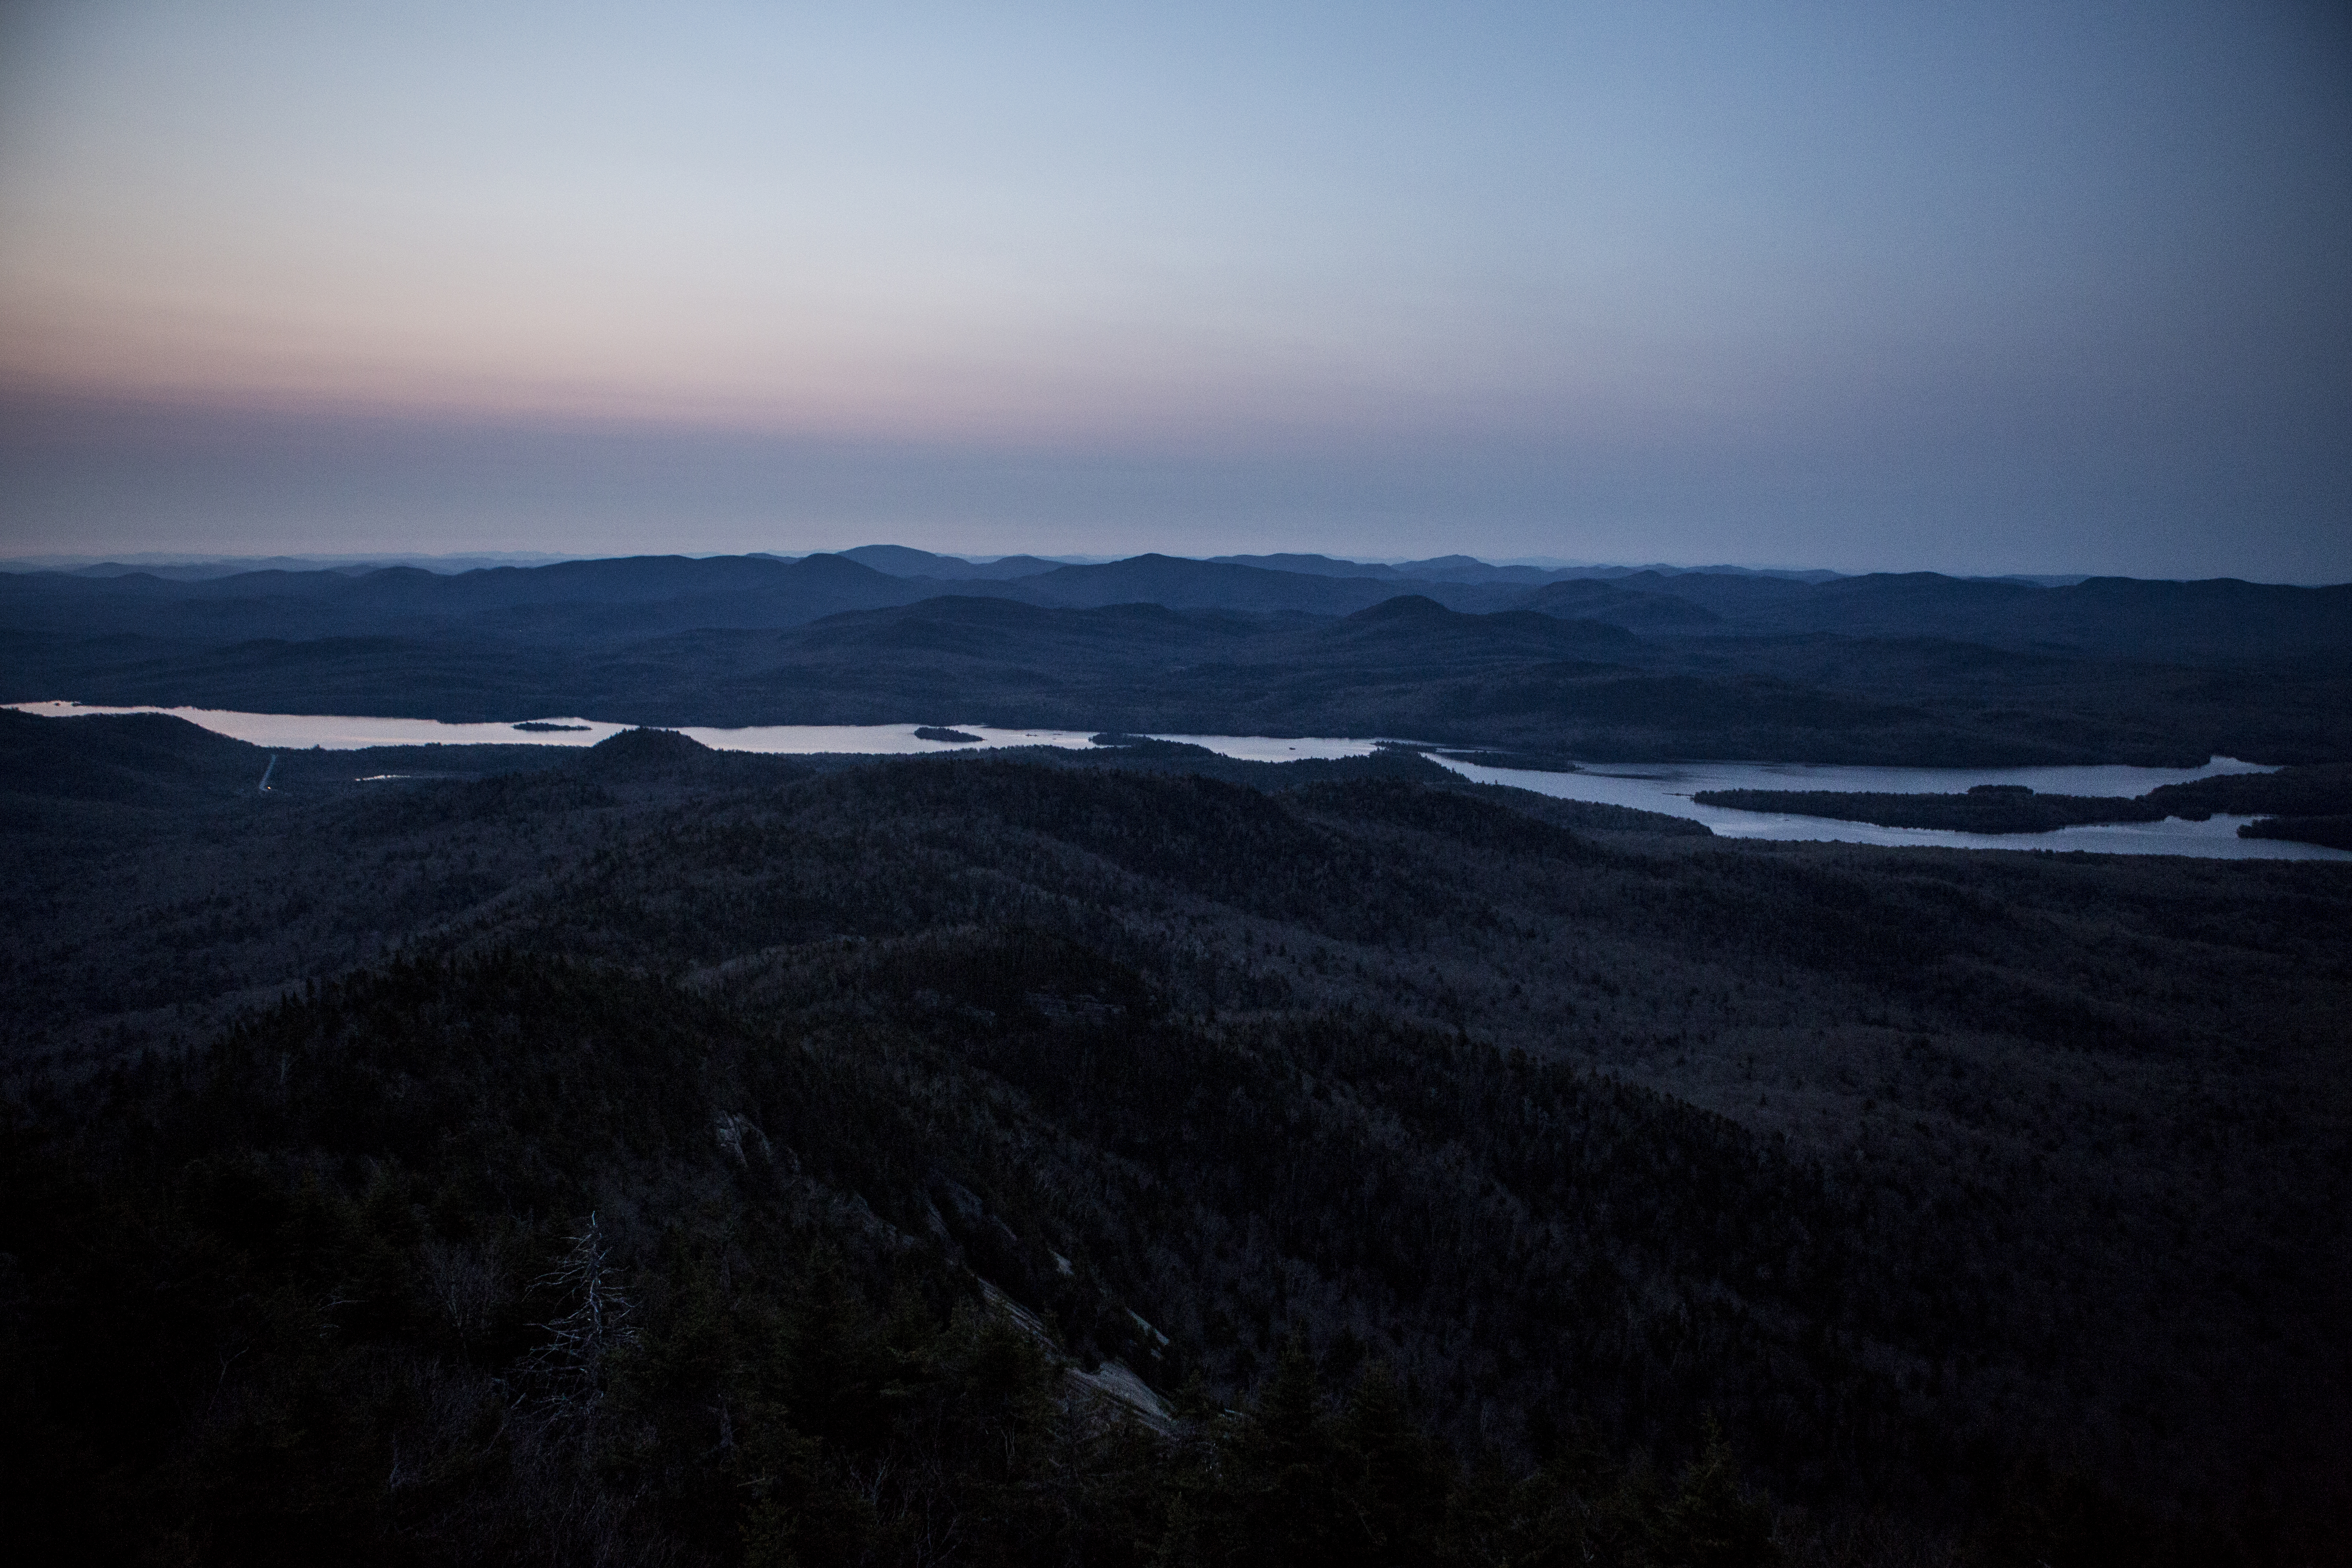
2060, 286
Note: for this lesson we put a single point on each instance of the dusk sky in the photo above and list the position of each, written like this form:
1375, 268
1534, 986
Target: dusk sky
2053, 287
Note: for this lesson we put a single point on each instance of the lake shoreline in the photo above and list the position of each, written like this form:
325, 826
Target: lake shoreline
1664, 787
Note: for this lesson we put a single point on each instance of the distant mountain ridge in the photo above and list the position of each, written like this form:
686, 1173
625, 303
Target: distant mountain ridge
2110, 617
898, 561
1892, 668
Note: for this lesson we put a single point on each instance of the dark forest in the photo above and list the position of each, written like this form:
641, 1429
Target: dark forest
650, 1154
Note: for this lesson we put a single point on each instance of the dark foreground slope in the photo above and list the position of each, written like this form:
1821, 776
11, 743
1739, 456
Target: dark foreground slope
1998, 1201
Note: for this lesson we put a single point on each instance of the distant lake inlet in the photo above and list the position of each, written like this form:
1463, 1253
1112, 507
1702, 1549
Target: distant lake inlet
1668, 786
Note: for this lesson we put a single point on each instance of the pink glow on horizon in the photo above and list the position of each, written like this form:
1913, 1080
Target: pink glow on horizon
2071, 271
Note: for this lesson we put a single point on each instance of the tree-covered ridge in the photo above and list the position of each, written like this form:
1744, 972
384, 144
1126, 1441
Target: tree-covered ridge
1914, 1173
1912, 670
511, 1258
508, 1258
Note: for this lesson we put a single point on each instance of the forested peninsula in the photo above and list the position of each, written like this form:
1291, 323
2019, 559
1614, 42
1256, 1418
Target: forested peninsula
2307, 804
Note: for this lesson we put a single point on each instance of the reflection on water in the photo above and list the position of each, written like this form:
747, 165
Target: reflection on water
1650, 786
1668, 787
338, 732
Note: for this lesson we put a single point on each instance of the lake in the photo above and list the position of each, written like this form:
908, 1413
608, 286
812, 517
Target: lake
1668, 786
337, 732
1664, 787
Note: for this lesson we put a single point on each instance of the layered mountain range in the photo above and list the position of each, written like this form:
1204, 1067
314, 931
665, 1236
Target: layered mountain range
1621, 665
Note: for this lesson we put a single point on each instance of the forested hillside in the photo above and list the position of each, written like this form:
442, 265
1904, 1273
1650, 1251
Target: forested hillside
1135, 1156
1910, 670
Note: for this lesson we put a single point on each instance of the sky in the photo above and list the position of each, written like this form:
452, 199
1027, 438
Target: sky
2054, 287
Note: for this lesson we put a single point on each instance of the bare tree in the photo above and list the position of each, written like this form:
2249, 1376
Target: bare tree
569, 1366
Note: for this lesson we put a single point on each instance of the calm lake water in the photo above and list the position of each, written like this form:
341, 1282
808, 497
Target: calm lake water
1665, 787
334, 732
1668, 786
